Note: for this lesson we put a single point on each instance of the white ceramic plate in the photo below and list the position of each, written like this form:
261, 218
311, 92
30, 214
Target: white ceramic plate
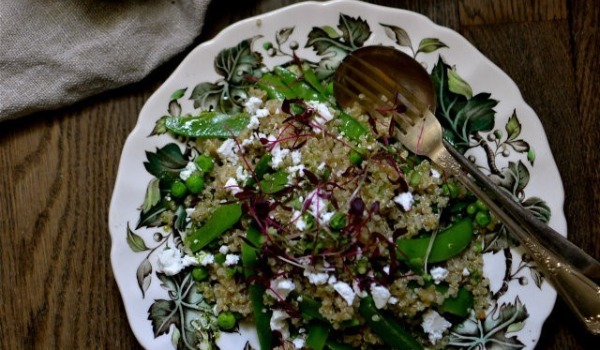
522, 299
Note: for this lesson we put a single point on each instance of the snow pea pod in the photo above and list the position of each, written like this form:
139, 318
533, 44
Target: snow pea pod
317, 335
448, 243
275, 88
333, 345
310, 77
389, 330
262, 314
460, 305
352, 128
209, 125
222, 219
301, 88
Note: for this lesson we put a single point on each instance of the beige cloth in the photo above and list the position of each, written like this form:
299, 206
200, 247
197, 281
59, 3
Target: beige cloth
56, 52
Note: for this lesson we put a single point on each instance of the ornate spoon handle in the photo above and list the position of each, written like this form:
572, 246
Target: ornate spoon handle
580, 293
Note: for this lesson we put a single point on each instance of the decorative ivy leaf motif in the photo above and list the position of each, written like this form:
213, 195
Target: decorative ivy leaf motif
174, 108
460, 116
283, 35
152, 196
177, 94
513, 178
235, 65
498, 240
531, 156
333, 46
143, 275
399, 35
491, 333
537, 277
151, 218
538, 207
159, 126
428, 45
185, 307
513, 127
135, 242
165, 163
458, 85
180, 218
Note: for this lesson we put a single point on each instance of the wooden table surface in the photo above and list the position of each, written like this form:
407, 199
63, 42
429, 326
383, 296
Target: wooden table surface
58, 168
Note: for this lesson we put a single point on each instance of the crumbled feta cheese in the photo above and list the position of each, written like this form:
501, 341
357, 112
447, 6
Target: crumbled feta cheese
241, 174
345, 291
171, 261
254, 123
298, 343
281, 287
279, 323
405, 200
231, 259
187, 171
261, 113
299, 221
296, 157
223, 249
278, 155
438, 274
386, 269
357, 290
228, 151
318, 207
393, 300
331, 281
316, 278
435, 174
252, 104
205, 258
381, 295
323, 113
434, 325
232, 186
466, 272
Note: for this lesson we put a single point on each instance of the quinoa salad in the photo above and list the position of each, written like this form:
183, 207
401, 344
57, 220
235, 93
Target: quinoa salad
314, 224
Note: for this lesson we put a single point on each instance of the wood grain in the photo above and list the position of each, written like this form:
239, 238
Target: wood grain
58, 168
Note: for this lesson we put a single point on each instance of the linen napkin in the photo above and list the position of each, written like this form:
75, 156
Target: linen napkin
54, 53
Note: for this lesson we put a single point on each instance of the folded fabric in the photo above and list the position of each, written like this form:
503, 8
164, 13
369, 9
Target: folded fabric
53, 53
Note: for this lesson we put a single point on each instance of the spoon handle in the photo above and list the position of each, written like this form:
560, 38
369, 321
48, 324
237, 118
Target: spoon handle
580, 293
553, 240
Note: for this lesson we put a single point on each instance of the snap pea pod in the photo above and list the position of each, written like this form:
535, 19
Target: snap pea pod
309, 308
460, 305
448, 243
301, 88
222, 219
390, 331
262, 314
208, 125
333, 345
275, 88
352, 128
317, 335
311, 78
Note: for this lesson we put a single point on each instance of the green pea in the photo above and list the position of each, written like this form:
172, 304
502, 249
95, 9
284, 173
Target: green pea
356, 157
452, 190
226, 321
338, 221
414, 178
448, 243
195, 183
480, 205
204, 163
482, 218
178, 189
200, 274
220, 258
362, 267
471, 209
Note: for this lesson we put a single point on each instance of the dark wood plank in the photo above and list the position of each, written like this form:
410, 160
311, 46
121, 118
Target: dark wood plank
477, 12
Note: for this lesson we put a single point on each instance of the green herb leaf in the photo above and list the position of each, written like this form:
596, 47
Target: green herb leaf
152, 195
457, 85
273, 183
177, 94
513, 127
209, 125
135, 242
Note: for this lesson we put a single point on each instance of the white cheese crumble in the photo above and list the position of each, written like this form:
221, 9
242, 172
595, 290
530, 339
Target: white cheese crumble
241, 174
279, 323
316, 278
205, 258
261, 113
381, 295
434, 325
281, 287
405, 200
187, 171
278, 155
232, 186
223, 249
298, 343
435, 174
231, 259
299, 221
466, 272
345, 291
438, 274
252, 104
228, 151
171, 261
296, 157
323, 113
